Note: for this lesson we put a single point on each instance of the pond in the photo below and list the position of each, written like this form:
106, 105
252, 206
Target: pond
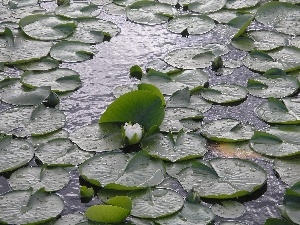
140, 44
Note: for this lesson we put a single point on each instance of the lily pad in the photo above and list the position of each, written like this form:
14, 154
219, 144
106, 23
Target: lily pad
241, 23
240, 4
220, 178
141, 106
13, 92
62, 152
121, 172
78, 10
98, 137
60, 79
193, 24
271, 13
288, 170
21, 207
204, 6
274, 111
279, 141
38, 140
173, 148
14, 153
194, 57
274, 83
72, 51
155, 203
227, 130
224, 93
51, 179
189, 214
42, 64
27, 121
93, 31
47, 27
150, 12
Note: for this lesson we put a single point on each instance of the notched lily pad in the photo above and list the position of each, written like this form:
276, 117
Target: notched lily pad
77, 10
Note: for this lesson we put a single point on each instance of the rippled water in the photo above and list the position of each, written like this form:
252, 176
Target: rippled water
139, 44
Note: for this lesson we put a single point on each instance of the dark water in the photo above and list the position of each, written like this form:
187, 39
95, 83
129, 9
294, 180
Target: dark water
137, 45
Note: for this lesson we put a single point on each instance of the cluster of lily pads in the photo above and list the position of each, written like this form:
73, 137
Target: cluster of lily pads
153, 132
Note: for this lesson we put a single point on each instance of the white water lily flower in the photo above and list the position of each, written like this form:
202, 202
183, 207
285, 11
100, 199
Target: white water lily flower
132, 134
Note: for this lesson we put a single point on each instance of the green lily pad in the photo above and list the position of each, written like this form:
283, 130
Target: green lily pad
77, 10
98, 137
195, 57
189, 214
141, 106
14, 153
227, 130
274, 83
228, 209
276, 221
194, 24
51, 179
62, 152
224, 93
60, 79
240, 4
279, 141
93, 31
19, 3
31, 121
42, 64
41, 139
241, 23
219, 178
271, 13
288, 170
204, 6
291, 207
21, 207
150, 12
155, 203
161, 66
113, 9
223, 15
47, 27
173, 148
274, 111
121, 201
13, 92
72, 51
121, 172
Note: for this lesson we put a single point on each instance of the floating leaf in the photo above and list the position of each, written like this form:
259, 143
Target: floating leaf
77, 10
276, 221
241, 23
46, 63
227, 130
173, 148
239, 4
204, 6
51, 179
60, 79
14, 153
141, 106
47, 27
219, 178
21, 207
288, 170
72, 51
224, 93
193, 24
38, 140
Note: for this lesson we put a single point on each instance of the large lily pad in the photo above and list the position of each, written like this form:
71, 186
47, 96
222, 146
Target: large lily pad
227, 130
14, 153
13, 92
150, 12
241, 23
173, 148
141, 106
239, 4
46, 63
193, 24
47, 27
224, 93
285, 111
21, 207
98, 137
288, 170
51, 179
279, 141
271, 14
27, 121
274, 83
219, 178
77, 10
123, 172
61, 151
203, 6
60, 79
72, 51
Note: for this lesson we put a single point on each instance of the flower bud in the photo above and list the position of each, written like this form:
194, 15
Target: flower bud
132, 134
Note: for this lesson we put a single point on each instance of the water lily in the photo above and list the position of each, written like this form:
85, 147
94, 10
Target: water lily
132, 134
